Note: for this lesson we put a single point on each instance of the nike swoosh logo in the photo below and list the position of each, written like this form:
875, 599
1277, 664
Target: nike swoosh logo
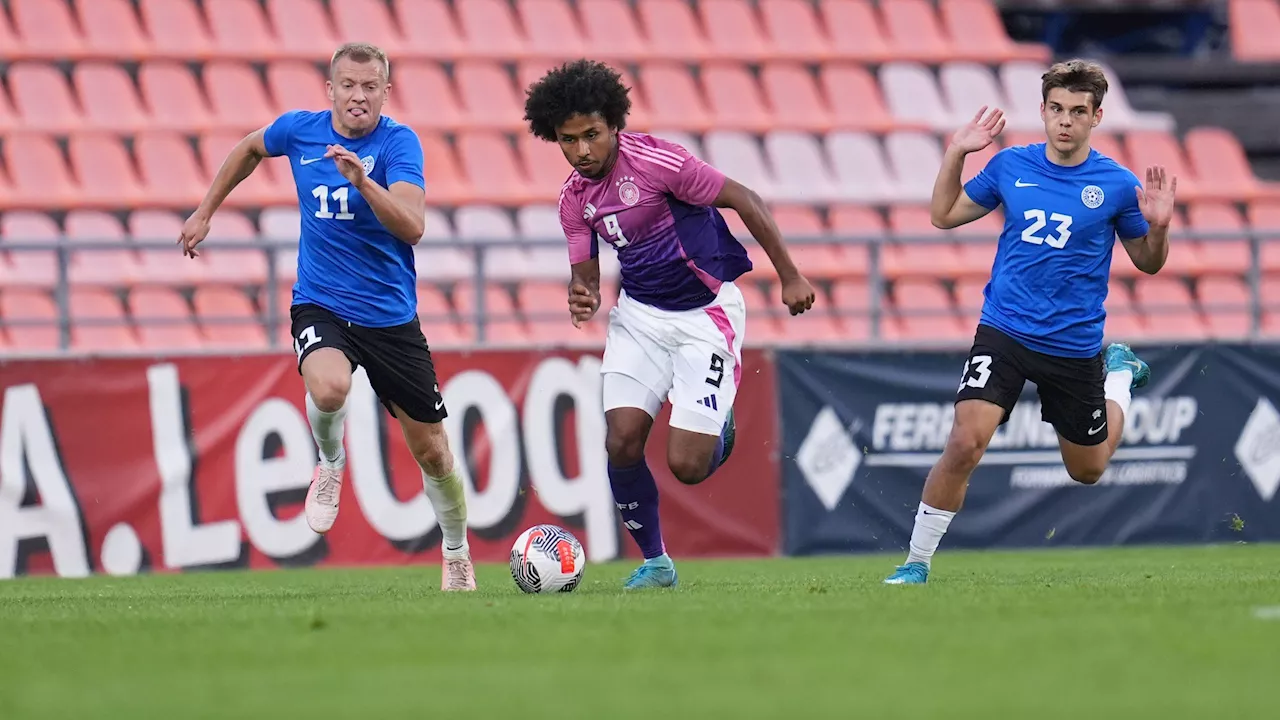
441, 404
1098, 429
304, 161
1019, 183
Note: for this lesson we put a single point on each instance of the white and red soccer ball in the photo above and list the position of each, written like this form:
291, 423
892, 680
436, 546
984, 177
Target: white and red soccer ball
547, 559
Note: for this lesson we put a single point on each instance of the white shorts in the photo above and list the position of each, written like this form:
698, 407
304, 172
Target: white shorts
691, 357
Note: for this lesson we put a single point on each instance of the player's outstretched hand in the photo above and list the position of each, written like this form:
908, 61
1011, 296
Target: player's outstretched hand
194, 231
980, 132
348, 164
1156, 202
798, 294
583, 303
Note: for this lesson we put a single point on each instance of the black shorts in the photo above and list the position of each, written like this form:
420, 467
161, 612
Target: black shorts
1071, 390
396, 359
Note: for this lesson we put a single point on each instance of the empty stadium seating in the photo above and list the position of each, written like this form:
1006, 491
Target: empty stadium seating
115, 114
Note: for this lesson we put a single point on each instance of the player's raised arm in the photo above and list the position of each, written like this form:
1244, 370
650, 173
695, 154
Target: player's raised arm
1144, 225
950, 205
240, 164
797, 294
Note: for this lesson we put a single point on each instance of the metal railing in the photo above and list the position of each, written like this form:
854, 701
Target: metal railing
271, 316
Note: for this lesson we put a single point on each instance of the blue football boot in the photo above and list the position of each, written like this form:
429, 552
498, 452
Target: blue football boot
1120, 357
729, 434
656, 572
913, 573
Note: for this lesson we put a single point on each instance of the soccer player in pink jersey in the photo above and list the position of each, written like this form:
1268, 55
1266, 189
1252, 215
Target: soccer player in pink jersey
676, 333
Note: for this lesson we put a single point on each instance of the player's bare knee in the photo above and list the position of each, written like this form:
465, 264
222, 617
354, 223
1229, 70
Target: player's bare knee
1088, 474
964, 450
689, 469
624, 446
434, 456
329, 391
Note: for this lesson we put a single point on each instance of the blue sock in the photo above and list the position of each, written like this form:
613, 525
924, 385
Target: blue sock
636, 494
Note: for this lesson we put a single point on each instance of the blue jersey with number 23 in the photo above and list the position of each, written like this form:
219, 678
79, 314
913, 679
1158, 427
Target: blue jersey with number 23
348, 262
1053, 263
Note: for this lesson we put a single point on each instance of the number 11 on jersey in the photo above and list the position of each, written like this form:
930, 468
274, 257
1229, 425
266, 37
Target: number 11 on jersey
322, 194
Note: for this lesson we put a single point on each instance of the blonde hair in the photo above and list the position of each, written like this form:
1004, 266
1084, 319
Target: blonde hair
361, 53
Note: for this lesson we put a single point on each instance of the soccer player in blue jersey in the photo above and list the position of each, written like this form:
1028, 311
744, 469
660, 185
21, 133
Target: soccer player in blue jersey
362, 200
1064, 205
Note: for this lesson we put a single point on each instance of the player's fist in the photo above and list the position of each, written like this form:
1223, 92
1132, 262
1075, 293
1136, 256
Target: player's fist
194, 231
348, 164
583, 302
980, 132
1157, 201
797, 294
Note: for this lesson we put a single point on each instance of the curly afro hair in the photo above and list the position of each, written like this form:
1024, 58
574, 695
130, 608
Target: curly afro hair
581, 87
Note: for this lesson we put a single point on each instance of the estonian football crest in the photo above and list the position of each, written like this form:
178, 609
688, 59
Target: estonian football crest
367, 162
628, 193
1092, 197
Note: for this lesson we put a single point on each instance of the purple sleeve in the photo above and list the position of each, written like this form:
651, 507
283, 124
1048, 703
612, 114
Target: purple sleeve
686, 177
582, 241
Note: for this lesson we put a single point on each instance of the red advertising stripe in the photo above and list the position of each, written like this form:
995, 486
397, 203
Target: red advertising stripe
127, 465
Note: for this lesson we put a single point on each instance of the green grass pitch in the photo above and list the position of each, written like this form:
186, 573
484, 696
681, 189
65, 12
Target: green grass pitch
1128, 633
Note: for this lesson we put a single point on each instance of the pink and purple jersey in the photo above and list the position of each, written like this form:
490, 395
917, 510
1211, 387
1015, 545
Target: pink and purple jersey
655, 208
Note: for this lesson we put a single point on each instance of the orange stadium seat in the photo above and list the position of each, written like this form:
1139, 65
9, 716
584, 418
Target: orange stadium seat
977, 33
1253, 27
430, 29
762, 315
175, 29
423, 96
793, 96
46, 29
367, 20
98, 321
8, 116
1217, 256
111, 29
1226, 302
1168, 308
490, 29
856, 30
31, 319
441, 171
45, 181
260, 188
237, 95
298, 85
674, 99
552, 28
174, 99
161, 262
794, 30
544, 163
109, 97
43, 97
227, 259
612, 32
111, 268
488, 95
104, 170
733, 30
672, 30
1147, 148
162, 320
502, 322
855, 98
915, 256
734, 97
1264, 217
1220, 164
914, 31
924, 311
31, 267
168, 169
851, 300
492, 168
303, 29
240, 30
227, 319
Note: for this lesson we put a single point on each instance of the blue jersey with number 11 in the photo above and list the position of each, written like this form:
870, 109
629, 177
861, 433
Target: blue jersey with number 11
1053, 263
348, 262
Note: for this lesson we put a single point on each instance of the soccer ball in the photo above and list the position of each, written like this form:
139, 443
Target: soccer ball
547, 559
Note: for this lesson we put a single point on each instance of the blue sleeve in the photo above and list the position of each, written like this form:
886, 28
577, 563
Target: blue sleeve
1130, 224
404, 158
279, 133
984, 188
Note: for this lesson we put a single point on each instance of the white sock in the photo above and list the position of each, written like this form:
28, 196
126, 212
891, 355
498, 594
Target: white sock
1116, 388
449, 500
326, 428
931, 525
